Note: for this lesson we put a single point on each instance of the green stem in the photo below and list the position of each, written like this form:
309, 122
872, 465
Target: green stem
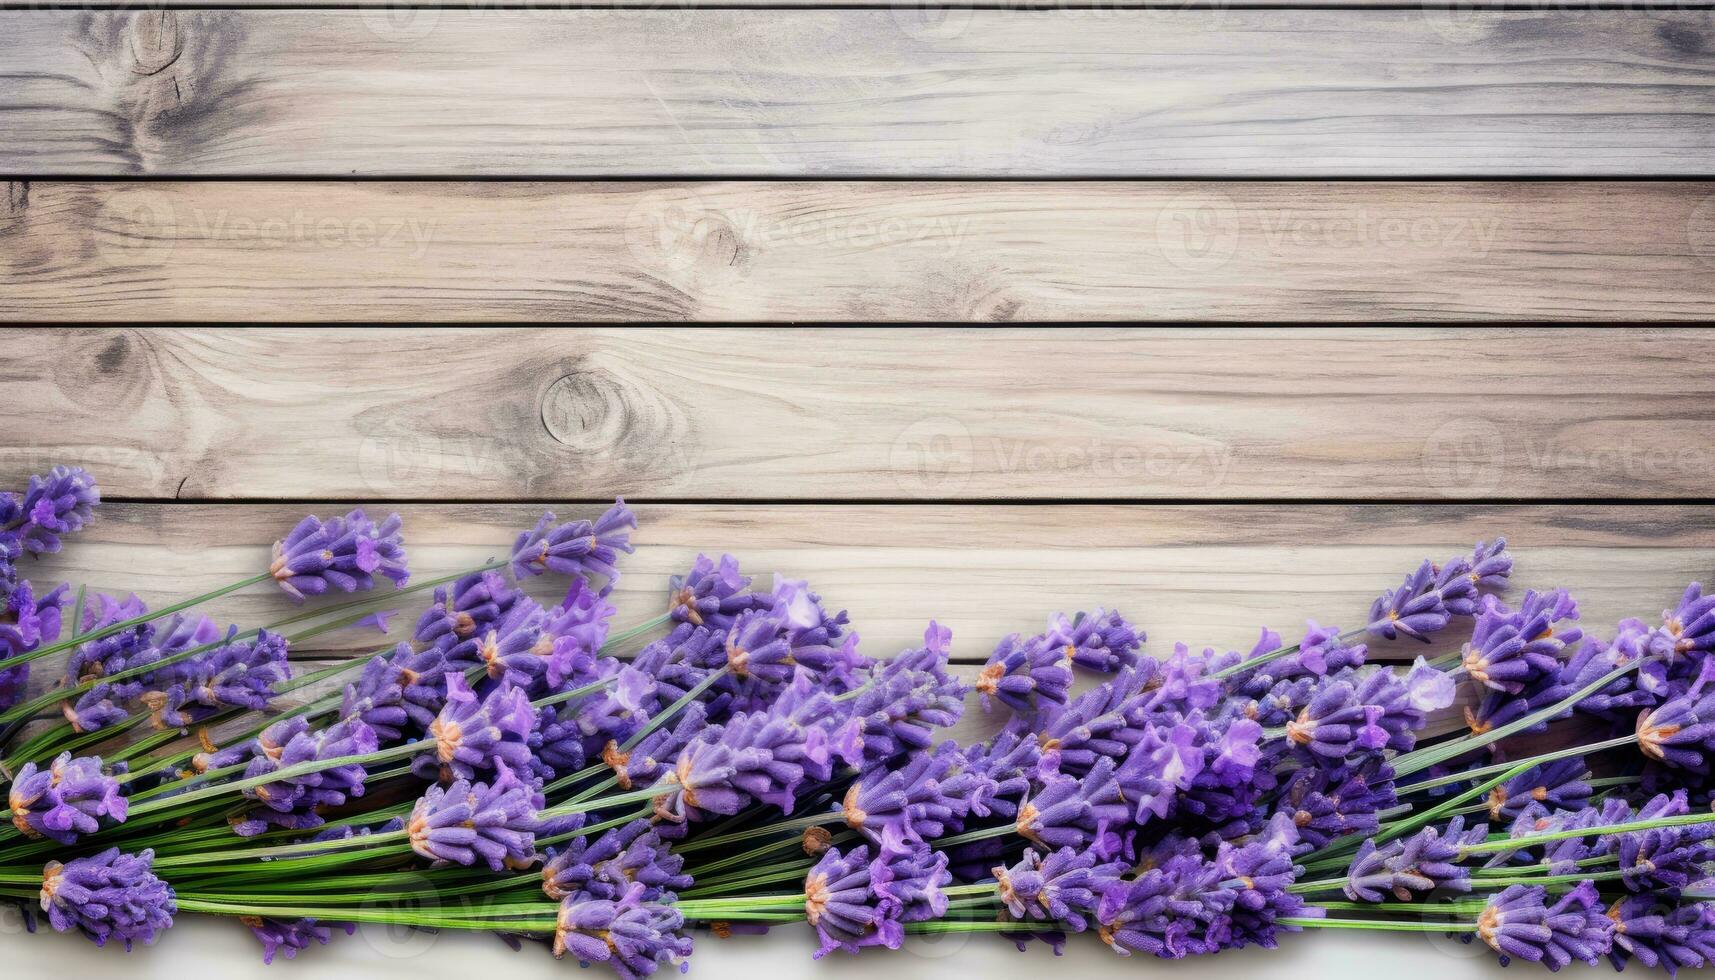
1379, 925
665, 714
283, 773
1469, 774
784, 826
1635, 826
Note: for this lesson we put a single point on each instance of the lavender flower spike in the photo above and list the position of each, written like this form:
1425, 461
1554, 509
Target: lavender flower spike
632, 936
65, 800
1064, 888
495, 823
105, 896
473, 736
59, 503
1101, 641
345, 554
1519, 923
843, 906
576, 547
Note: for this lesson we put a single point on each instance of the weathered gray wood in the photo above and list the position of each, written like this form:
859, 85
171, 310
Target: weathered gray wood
765, 413
991, 92
866, 251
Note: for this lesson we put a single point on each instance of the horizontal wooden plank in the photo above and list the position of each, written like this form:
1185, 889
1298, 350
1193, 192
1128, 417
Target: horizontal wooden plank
679, 92
765, 413
1205, 575
864, 251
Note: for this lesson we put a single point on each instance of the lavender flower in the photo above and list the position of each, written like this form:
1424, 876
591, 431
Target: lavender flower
1558, 785
238, 674
1063, 888
474, 736
1673, 936
927, 797
65, 800
466, 822
105, 896
1519, 923
1662, 857
1007, 764
345, 554
61, 502
631, 935
294, 802
907, 698
1336, 723
608, 866
1025, 675
1171, 911
1432, 595
1509, 650
654, 754
576, 547
713, 595
1681, 732
1688, 628
1413, 866
842, 905
1326, 804
459, 612
26, 622
1263, 870
1100, 640
908, 877
287, 937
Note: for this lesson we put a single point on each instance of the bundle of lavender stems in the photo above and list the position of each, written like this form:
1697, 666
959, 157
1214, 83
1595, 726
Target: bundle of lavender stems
748, 768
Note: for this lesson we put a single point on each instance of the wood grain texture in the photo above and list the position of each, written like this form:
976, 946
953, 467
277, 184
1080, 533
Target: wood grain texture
866, 251
765, 413
1205, 575
859, 92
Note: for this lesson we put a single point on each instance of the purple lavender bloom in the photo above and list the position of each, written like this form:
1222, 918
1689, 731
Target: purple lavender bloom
475, 736
65, 800
110, 654
576, 547
1100, 640
1413, 866
713, 595
609, 865
1519, 923
345, 554
1417, 609
1491, 566
1100, 722
794, 741
655, 753
1327, 804
1662, 857
1622, 697
1689, 628
1025, 675
61, 502
908, 876
1063, 888
1671, 936
26, 622
929, 796
1063, 811
624, 707
579, 625
239, 674
105, 896
459, 612
466, 822
1007, 763
907, 698
1263, 870
632, 936
293, 802
1498, 708
287, 937
1337, 723
1510, 650
1323, 652
1171, 911
844, 907
518, 650
1558, 785
99, 707
1681, 732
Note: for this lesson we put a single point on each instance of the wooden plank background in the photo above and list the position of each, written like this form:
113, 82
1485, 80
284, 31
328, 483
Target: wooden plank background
705, 92
858, 252
1222, 316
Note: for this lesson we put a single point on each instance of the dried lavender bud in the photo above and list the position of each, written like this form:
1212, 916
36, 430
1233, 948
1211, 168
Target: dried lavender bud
105, 896
1171, 911
1556, 785
1657, 930
344, 553
713, 595
576, 547
609, 865
61, 502
474, 736
842, 905
64, 801
26, 622
907, 698
1025, 675
466, 822
1007, 763
1413, 866
630, 935
1063, 888
1688, 628
1099, 640
1518, 922
464, 608
239, 674
927, 797
293, 803
1510, 650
